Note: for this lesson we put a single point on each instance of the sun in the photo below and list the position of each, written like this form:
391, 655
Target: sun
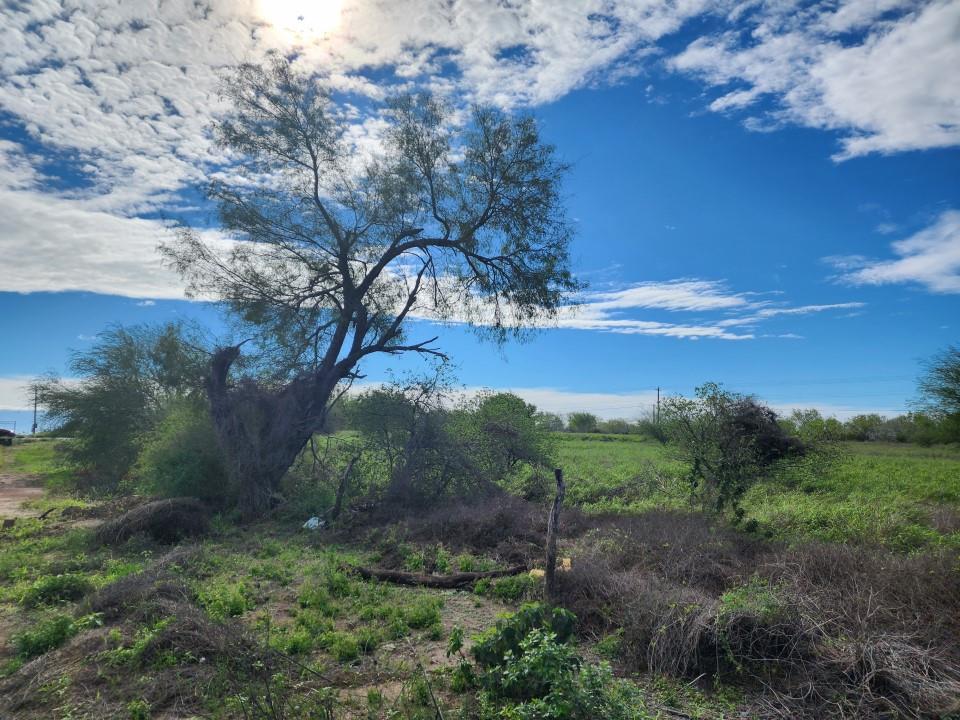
305, 18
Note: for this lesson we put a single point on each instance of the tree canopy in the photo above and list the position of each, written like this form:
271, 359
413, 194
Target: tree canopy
334, 249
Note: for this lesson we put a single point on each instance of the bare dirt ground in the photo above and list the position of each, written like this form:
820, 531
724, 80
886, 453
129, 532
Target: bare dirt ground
14, 491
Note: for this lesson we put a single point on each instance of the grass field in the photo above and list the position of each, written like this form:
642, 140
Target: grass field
89, 630
39, 460
903, 496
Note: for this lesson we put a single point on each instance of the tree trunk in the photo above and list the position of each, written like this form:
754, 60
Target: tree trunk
448, 582
262, 431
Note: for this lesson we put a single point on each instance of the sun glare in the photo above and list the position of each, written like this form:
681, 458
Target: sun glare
304, 18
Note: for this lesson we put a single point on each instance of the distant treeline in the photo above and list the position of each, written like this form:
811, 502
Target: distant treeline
914, 427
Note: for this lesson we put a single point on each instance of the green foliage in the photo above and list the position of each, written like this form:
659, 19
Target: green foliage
423, 612
139, 710
128, 376
430, 449
54, 589
132, 655
506, 431
609, 646
51, 632
528, 671
756, 598
342, 645
729, 442
582, 422
223, 599
940, 389
617, 426
491, 647
515, 588
181, 457
550, 422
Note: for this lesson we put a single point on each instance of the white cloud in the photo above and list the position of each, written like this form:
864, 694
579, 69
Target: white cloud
124, 91
881, 72
55, 244
13, 393
930, 257
128, 89
735, 314
604, 405
671, 295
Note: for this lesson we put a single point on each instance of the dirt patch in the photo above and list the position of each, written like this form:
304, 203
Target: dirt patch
14, 491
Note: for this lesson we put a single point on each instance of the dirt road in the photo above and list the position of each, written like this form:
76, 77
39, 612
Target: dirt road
14, 490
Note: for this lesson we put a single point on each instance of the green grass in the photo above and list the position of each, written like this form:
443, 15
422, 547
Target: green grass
618, 473
903, 496
40, 459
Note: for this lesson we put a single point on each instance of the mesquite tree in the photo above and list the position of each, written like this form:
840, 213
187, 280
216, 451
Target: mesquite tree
335, 250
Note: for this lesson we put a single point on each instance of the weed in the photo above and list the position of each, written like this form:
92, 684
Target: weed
423, 612
516, 588
224, 599
138, 710
342, 645
55, 589
610, 645
48, 634
368, 639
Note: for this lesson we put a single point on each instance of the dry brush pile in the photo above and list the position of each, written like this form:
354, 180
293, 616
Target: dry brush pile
816, 630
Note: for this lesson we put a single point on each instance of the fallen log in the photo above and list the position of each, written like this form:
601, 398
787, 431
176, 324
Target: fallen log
447, 582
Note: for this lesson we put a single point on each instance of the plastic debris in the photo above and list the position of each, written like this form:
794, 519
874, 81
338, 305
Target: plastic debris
314, 523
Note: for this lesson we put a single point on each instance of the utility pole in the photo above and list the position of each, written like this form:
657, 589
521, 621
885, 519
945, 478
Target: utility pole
658, 406
34, 430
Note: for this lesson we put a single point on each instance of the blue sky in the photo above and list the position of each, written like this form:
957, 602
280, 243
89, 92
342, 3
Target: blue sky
766, 195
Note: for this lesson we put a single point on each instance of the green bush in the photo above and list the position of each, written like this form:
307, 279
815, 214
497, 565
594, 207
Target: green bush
127, 377
342, 645
181, 457
515, 588
422, 613
222, 600
528, 671
492, 646
47, 635
54, 589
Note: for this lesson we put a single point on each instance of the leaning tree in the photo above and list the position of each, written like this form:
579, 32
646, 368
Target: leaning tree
335, 247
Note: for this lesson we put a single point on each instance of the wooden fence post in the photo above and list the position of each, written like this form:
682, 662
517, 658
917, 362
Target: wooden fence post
553, 524
342, 488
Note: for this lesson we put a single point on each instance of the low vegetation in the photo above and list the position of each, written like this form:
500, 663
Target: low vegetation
699, 613
727, 563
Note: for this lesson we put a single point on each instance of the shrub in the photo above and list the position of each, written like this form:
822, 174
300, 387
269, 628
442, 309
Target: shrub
50, 633
368, 639
222, 600
163, 520
342, 645
422, 613
492, 646
515, 588
181, 456
528, 671
54, 589
728, 440
582, 422
127, 377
